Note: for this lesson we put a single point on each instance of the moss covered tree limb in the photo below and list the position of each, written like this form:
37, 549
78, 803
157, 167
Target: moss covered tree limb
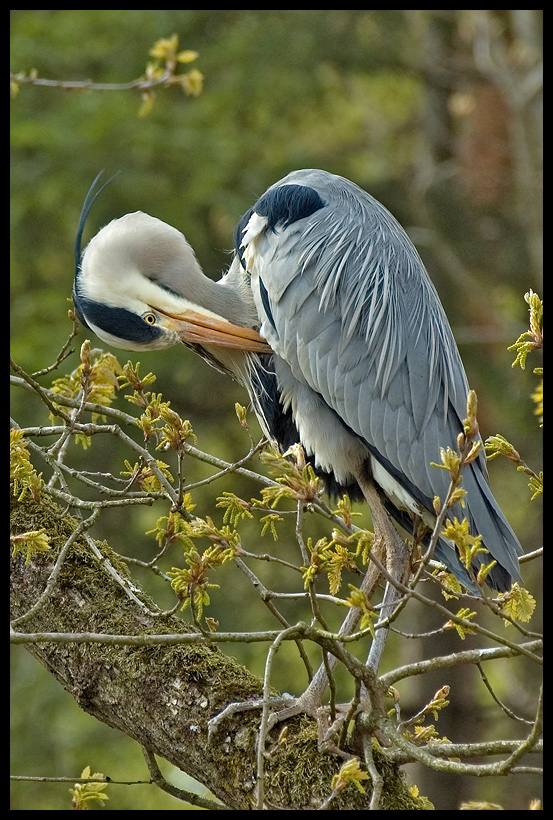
163, 696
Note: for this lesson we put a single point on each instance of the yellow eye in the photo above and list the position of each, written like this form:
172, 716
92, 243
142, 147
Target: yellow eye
149, 318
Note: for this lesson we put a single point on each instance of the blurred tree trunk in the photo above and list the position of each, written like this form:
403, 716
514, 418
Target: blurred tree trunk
482, 118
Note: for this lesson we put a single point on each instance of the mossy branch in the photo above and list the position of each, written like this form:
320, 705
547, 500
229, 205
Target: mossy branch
163, 696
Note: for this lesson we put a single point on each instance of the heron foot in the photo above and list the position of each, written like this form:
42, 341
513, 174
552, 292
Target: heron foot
242, 706
330, 723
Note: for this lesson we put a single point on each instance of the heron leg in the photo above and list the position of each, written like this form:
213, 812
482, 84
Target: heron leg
311, 700
397, 564
390, 549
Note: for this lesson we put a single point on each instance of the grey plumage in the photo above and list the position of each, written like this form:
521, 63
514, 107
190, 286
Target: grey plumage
363, 344
362, 364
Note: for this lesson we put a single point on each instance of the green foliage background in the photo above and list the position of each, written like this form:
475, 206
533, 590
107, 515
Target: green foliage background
390, 99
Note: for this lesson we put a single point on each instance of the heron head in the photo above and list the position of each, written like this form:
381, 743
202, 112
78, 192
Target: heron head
131, 285
138, 286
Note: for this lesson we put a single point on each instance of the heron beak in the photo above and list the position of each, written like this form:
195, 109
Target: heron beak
202, 329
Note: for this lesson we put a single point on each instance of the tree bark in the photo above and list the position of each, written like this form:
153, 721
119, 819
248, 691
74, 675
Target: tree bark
163, 696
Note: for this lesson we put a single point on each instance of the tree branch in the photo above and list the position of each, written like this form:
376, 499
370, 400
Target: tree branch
163, 696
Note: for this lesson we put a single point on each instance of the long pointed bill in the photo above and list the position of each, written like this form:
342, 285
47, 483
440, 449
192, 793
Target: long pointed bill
199, 328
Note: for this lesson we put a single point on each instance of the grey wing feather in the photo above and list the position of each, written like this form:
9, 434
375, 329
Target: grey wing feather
356, 318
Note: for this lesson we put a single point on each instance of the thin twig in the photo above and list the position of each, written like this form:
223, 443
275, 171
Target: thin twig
181, 794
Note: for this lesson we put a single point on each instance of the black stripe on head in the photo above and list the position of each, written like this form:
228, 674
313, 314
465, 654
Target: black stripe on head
91, 197
118, 322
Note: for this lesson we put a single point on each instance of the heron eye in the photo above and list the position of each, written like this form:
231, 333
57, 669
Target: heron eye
149, 318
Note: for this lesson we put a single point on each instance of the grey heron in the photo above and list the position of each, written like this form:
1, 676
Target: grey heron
329, 319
